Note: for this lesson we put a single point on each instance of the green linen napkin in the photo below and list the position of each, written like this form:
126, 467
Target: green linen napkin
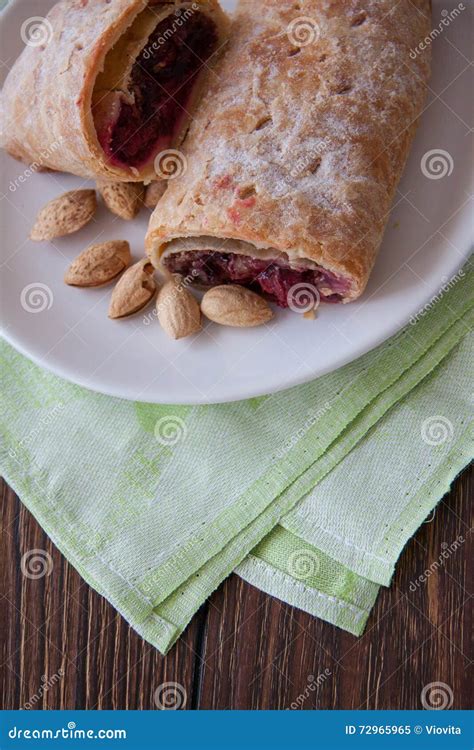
384, 489
155, 505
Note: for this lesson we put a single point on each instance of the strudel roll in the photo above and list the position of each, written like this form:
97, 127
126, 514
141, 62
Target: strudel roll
112, 84
298, 147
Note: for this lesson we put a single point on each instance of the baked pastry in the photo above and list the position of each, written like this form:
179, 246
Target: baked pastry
297, 148
112, 85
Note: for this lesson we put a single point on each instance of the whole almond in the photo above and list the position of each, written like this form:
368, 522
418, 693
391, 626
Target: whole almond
154, 192
64, 215
235, 306
178, 311
135, 289
99, 264
123, 199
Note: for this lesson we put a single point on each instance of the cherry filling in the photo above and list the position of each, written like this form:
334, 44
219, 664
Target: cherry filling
272, 277
146, 119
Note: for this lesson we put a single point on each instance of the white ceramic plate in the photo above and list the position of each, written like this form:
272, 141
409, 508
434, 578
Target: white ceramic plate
67, 330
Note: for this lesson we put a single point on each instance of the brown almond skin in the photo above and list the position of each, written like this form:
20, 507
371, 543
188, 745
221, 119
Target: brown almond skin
124, 199
154, 192
134, 291
235, 306
178, 310
64, 215
99, 264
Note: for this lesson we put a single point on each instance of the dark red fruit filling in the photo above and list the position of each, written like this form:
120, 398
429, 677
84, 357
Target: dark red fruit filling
272, 277
162, 82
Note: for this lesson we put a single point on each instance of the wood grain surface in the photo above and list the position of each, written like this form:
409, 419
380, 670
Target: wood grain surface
65, 647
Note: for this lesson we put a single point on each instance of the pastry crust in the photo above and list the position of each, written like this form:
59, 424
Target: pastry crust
46, 100
299, 145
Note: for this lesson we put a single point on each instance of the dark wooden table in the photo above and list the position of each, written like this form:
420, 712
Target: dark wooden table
243, 650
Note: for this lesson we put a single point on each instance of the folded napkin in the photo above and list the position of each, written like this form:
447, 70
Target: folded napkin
310, 494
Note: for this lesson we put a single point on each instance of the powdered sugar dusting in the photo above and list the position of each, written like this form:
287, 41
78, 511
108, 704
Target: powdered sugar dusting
319, 129
307, 118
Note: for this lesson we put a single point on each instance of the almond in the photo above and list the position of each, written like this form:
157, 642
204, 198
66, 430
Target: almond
135, 289
154, 192
64, 215
123, 199
178, 311
235, 306
99, 264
